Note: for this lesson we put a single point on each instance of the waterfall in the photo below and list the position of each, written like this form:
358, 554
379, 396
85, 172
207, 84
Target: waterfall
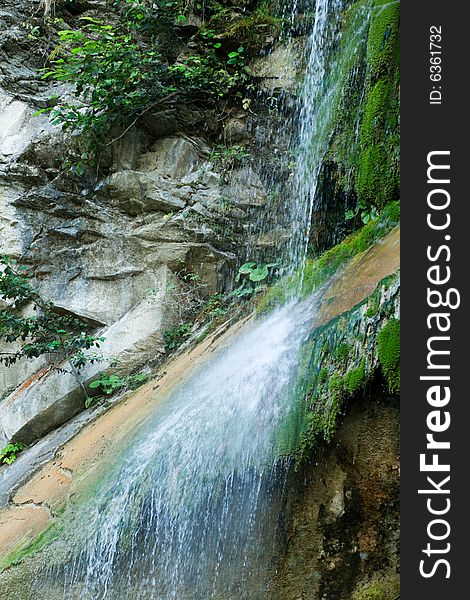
194, 506
315, 109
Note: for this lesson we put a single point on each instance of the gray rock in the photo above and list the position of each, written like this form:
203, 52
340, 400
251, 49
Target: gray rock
245, 188
51, 397
280, 69
173, 157
135, 193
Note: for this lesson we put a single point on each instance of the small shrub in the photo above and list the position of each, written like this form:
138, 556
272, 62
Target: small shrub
9, 452
61, 337
251, 275
110, 384
175, 336
227, 156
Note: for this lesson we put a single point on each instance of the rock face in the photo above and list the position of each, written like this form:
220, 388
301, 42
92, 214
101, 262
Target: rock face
110, 245
107, 253
105, 247
342, 540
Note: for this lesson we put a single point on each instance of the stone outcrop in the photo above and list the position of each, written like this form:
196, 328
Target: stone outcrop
106, 247
342, 540
333, 542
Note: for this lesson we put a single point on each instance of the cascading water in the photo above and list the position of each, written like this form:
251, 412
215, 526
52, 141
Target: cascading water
300, 131
194, 505
316, 105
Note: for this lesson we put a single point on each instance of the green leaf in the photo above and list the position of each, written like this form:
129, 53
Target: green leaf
260, 273
247, 268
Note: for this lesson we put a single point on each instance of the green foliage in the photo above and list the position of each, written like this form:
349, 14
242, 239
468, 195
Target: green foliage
250, 275
9, 452
215, 307
206, 71
227, 156
119, 71
175, 336
115, 77
110, 384
45, 332
367, 214
389, 353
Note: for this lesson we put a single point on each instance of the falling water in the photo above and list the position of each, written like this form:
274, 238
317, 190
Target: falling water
316, 107
194, 506
298, 136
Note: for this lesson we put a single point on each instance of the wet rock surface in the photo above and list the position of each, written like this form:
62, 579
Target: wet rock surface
107, 245
342, 540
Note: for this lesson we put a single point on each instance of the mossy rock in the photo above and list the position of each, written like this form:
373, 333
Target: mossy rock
388, 341
315, 272
384, 589
366, 107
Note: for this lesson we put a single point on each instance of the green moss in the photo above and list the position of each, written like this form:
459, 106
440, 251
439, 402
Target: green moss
372, 592
342, 353
317, 271
364, 147
373, 306
378, 172
23, 551
335, 384
388, 341
322, 376
251, 30
355, 379
383, 39
386, 589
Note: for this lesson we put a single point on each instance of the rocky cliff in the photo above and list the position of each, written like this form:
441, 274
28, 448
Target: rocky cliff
140, 242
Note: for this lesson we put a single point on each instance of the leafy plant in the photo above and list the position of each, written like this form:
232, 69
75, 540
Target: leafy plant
110, 384
45, 332
227, 156
9, 452
115, 78
175, 336
250, 274
236, 57
121, 71
367, 213
215, 307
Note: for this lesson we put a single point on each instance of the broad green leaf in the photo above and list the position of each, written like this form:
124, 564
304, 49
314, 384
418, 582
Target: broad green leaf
247, 268
260, 273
